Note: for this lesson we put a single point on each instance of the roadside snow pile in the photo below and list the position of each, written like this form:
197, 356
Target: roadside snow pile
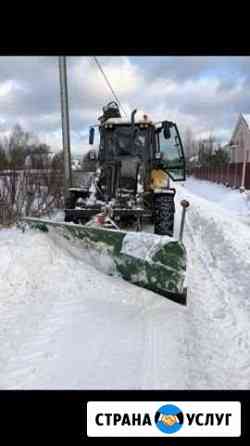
58, 215
143, 245
218, 253
231, 200
65, 325
216, 226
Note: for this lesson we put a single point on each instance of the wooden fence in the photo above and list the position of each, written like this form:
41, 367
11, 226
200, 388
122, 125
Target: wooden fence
31, 181
5, 213
42, 177
229, 174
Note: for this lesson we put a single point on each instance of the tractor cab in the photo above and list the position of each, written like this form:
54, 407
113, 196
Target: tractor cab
130, 147
131, 171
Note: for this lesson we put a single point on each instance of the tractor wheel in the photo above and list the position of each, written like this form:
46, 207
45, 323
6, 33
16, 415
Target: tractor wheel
164, 209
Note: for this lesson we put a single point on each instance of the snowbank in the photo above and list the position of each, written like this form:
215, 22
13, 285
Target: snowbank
218, 251
230, 200
66, 325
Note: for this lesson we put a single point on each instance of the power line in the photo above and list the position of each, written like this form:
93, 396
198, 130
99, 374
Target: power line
109, 84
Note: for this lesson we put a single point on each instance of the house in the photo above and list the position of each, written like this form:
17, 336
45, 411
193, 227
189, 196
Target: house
239, 145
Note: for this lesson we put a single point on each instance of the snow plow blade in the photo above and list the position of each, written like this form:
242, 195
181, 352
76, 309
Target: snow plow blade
157, 263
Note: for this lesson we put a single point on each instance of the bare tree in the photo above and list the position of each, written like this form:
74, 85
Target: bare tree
34, 187
187, 143
3, 158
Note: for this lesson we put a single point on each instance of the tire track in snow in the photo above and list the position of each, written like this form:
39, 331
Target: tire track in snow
149, 359
164, 352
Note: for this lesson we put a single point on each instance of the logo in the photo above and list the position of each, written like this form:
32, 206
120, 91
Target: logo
169, 419
163, 418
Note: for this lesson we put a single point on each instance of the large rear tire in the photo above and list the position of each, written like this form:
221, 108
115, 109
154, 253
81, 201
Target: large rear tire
164, 210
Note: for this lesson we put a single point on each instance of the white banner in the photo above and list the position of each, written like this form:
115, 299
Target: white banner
162, 419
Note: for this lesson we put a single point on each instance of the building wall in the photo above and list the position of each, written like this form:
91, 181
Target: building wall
241, 138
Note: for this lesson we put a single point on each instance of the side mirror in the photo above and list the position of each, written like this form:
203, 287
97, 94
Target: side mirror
91, 135
166, 131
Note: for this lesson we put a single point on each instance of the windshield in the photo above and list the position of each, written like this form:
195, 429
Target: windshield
120, 142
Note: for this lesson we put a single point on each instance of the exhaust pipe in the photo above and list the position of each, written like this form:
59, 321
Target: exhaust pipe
133, 129
133, 118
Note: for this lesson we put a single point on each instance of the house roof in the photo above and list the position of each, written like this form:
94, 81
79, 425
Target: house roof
247, 118
242, 116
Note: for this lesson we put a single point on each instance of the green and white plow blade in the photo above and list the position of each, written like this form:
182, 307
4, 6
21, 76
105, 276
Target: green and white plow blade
154, 262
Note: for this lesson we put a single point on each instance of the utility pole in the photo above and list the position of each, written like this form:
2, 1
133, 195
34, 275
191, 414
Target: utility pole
65, 125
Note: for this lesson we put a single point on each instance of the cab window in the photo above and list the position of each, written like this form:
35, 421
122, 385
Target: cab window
171, 150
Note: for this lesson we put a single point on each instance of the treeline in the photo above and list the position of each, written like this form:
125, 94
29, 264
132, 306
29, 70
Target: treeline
23, 150
217, 158
31, 177
204, 152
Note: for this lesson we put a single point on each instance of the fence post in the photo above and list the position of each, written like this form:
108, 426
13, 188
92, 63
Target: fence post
4, 212
243, 175
247, 179
234, 182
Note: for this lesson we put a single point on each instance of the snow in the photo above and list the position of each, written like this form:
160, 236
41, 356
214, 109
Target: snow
143, 246
63, 325
139, 119
218, 316
67, 325
232, 201
247, 118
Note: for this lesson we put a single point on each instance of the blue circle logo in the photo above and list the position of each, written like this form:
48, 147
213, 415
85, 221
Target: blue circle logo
169, 419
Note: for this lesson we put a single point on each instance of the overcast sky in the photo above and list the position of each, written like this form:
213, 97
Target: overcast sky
205, 94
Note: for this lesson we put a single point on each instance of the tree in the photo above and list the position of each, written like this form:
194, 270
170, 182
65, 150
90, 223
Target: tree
57, 162
190, 149
38, 155
56, 180
17, 147
28, 191
206, 150
220, 157
188, 143
3, 159
209, 157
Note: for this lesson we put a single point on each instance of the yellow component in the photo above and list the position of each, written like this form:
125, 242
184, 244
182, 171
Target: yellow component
169, 420
159, 179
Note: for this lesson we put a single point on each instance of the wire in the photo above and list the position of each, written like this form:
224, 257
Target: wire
109, 84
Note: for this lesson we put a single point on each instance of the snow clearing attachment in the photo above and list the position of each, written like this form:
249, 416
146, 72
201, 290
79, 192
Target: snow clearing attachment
157, 263
126, 186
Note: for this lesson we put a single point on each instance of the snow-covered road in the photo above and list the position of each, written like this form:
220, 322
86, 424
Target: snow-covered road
218, 316
66, 325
